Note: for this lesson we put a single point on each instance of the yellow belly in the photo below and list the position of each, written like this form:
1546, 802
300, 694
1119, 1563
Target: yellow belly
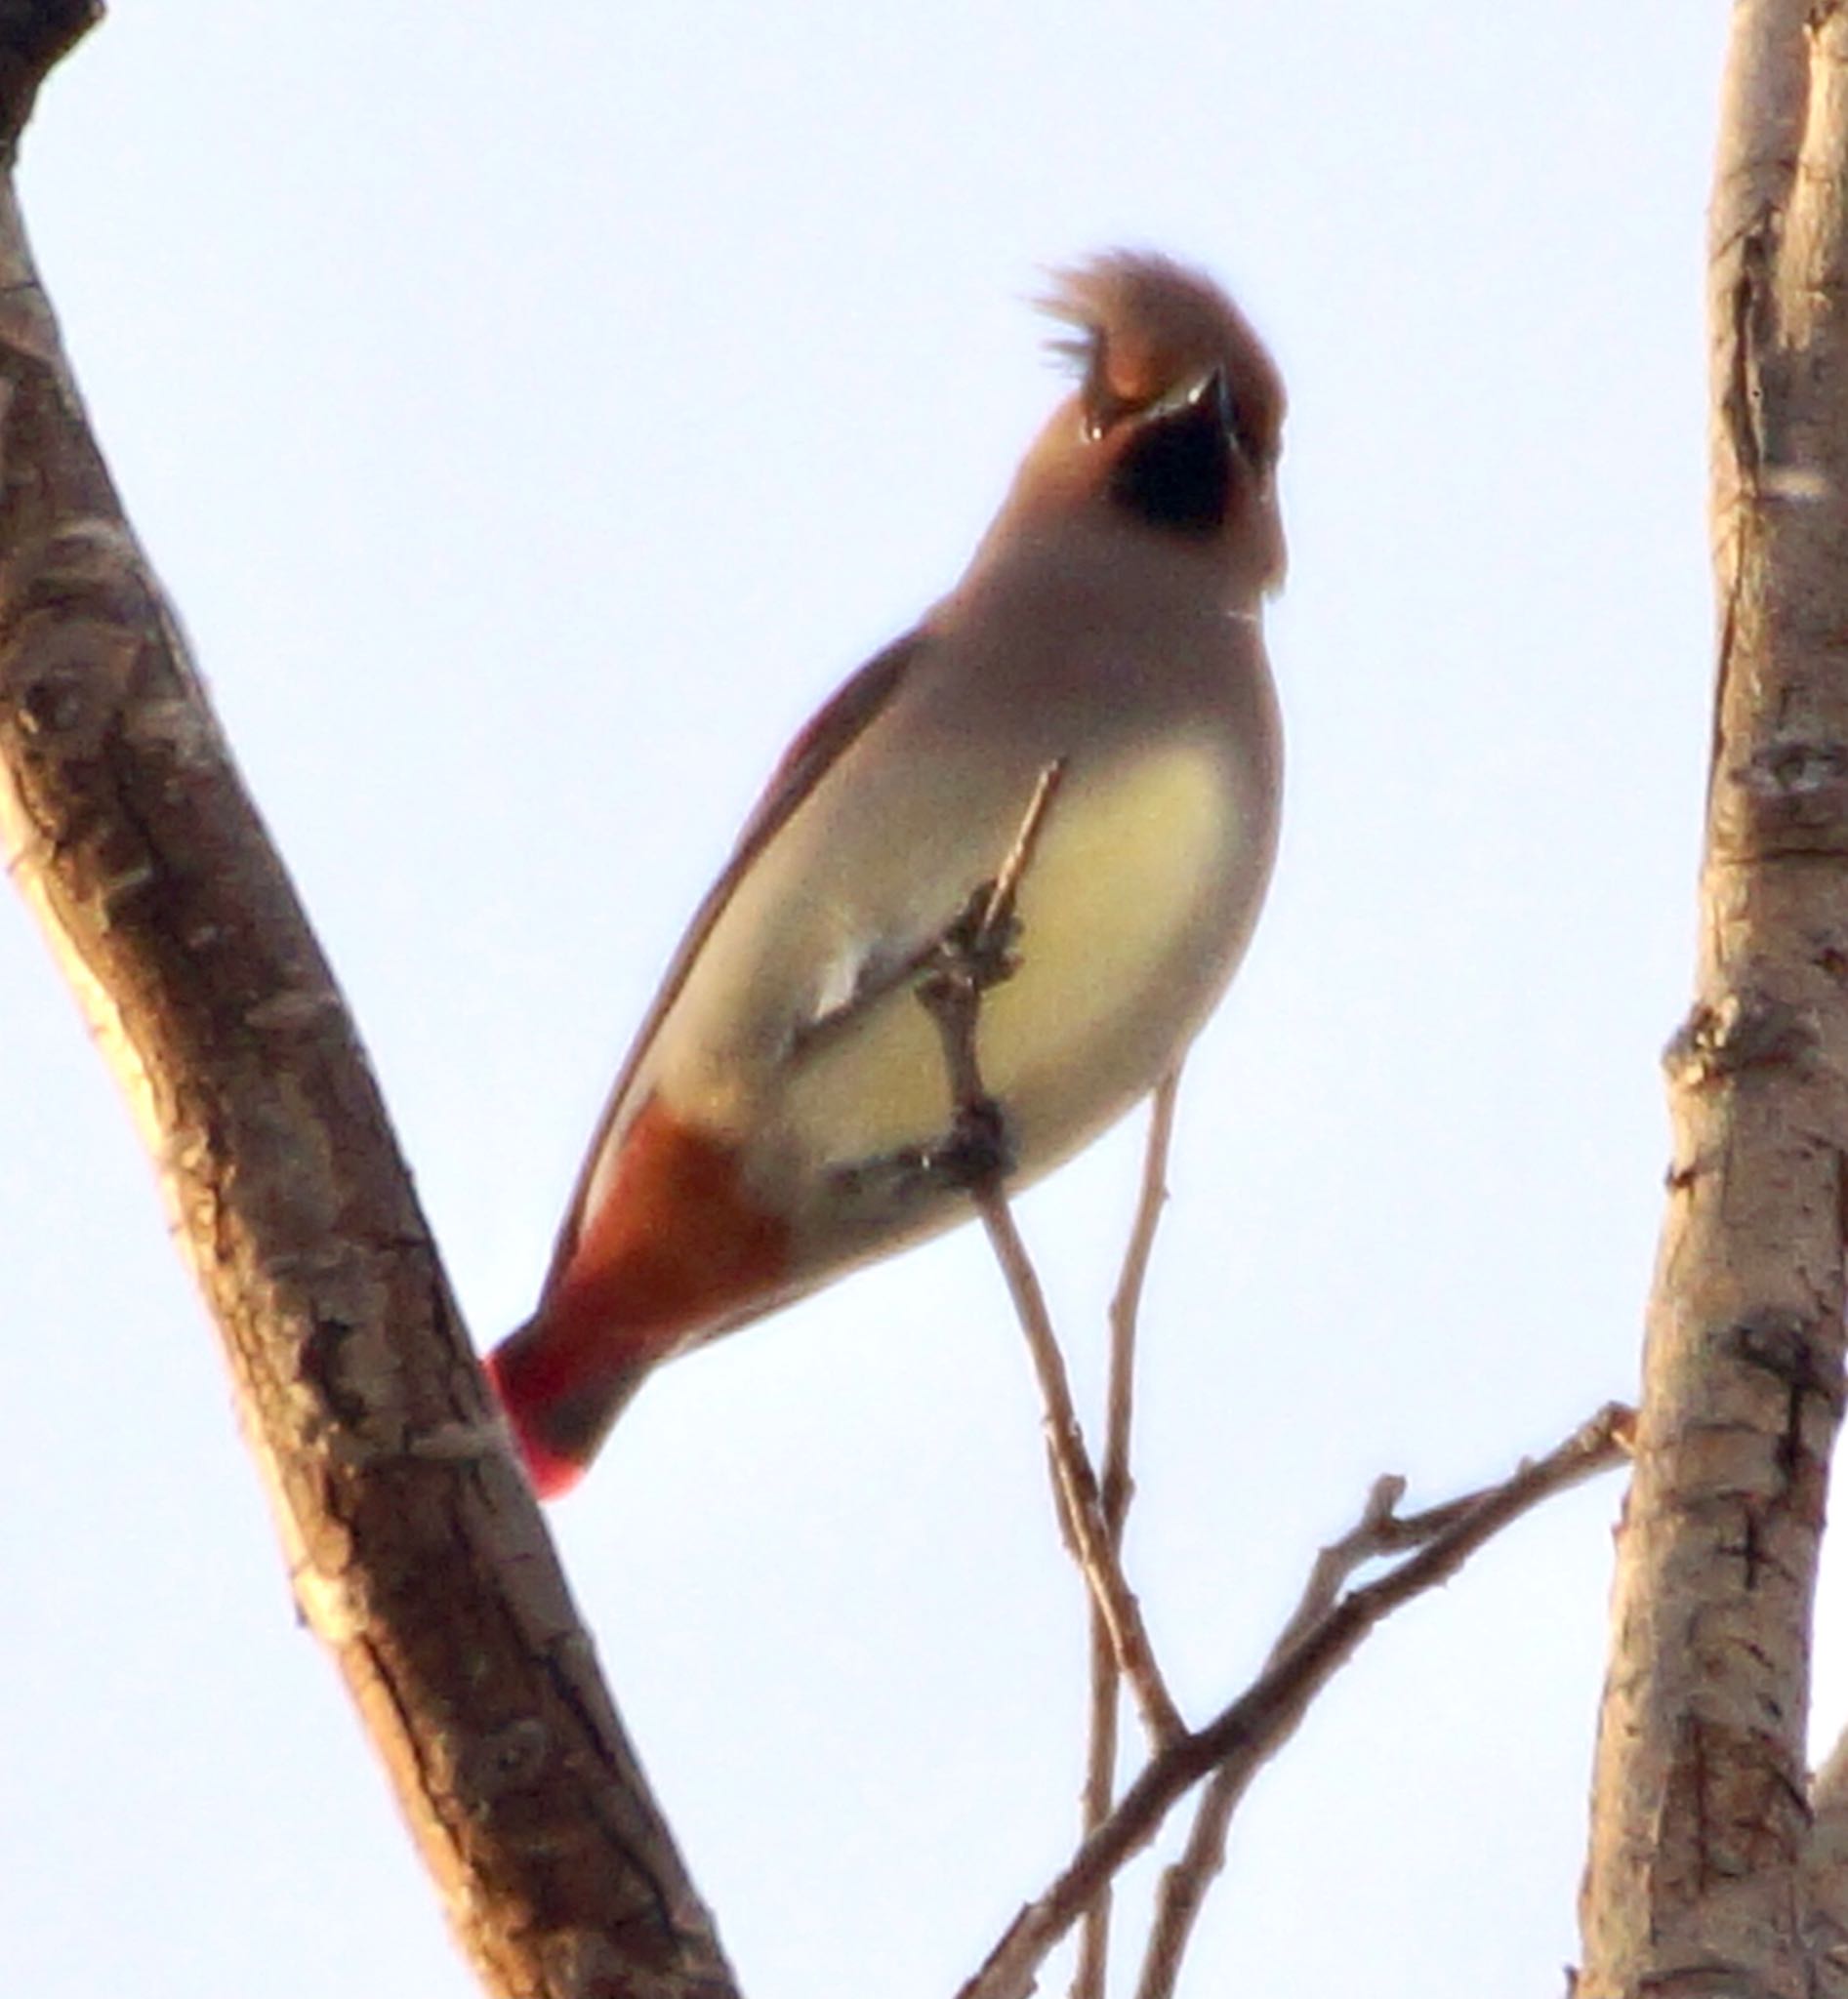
1123, 946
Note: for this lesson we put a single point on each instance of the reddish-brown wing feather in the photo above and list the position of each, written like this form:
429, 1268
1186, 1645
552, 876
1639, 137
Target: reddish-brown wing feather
838, 722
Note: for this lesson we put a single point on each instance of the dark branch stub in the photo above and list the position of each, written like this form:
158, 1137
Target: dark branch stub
35, 35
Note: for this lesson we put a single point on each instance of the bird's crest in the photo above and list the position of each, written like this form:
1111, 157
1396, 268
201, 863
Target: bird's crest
1144, 328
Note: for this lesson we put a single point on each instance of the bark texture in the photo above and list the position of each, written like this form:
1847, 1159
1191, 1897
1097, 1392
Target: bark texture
416, 1551
1701, 1823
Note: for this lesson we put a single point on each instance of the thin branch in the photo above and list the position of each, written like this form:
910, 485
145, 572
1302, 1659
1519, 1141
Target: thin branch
1381, 1531
1127, 1304
1116, 1490
1077, 1482
1093, 1971
1248, 1733
974, 956
997, 917
1184, 1885
416, 1552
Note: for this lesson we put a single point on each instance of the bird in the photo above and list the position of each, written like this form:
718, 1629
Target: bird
786, 1112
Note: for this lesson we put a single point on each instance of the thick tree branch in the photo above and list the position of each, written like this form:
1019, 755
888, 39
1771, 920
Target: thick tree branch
417, 1553
1701, 1820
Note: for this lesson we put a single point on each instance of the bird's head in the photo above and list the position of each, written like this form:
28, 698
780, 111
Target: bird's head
1176, 425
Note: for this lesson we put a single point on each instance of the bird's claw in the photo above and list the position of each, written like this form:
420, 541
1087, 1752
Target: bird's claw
977, 949
977, 1151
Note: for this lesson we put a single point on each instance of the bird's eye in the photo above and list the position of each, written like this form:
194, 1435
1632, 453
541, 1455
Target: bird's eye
1177, 468
1105, 409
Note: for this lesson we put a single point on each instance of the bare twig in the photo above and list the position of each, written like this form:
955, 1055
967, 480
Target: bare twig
1381, 1531
1100, 1790
1077, 1482
972, 958
1126, 1305
1007, 889
1116, 1491
1184, 1885
1243, 1735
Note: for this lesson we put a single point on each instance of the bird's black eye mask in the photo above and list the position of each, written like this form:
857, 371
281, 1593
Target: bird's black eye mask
1178, 466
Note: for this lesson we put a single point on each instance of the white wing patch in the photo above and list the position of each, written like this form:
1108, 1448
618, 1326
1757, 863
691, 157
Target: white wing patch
839, 985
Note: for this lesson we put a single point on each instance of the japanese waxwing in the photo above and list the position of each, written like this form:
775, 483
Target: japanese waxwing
786, 1111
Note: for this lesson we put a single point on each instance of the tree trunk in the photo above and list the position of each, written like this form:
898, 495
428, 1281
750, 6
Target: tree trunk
1701, 1817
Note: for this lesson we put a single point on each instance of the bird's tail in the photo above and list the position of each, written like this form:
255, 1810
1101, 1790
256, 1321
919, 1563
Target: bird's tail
558, 1411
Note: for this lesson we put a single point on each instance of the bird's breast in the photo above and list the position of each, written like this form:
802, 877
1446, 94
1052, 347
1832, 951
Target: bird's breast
1126, 909
797, 1037
1133, 909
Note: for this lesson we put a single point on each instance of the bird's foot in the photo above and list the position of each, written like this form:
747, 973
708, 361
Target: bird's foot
976, 950
976, 1152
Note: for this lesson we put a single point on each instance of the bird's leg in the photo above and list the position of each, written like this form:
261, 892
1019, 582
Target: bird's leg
975, 953
971, 957
977, 1151
971, 954
977, 948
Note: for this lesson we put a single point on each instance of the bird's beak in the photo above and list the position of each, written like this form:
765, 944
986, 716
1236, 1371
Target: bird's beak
1200, 390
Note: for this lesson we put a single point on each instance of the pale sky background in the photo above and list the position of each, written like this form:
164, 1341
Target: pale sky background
533, 412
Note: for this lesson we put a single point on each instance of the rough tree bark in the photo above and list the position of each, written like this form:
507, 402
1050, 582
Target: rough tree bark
416, 1550
1701, 1820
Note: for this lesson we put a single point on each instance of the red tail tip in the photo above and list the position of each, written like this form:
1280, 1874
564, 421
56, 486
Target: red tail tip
551, 1476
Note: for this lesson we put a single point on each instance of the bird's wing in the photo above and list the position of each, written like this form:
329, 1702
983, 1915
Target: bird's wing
822, 741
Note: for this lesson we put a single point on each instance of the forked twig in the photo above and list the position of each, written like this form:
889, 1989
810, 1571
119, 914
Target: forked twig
1249, 1732
1380, 1531
1081, 1506
1328, 1625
